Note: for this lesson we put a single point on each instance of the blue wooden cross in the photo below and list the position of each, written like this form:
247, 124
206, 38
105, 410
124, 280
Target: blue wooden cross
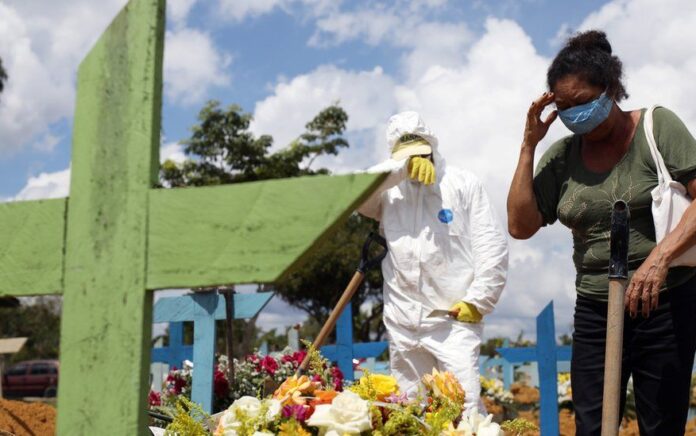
176, 352
345, 350
203, 309
547, 354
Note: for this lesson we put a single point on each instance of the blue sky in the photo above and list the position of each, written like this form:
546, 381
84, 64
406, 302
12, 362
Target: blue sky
470, 67
275, 44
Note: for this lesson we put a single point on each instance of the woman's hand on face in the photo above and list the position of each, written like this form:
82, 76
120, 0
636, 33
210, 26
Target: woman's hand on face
645, 284
536, 128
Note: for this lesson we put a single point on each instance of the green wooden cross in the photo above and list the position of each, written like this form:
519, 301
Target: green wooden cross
115, 237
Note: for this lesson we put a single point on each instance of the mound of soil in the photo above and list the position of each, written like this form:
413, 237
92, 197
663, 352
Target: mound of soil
567, 424
523, 394
27, 419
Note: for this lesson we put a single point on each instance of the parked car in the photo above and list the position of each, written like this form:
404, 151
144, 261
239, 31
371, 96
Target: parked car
31, 378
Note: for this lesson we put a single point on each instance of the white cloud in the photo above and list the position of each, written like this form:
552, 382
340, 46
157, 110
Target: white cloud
178, 10
42, 44
46, 185
172, 151
365, 95
397, 25
240, 9
192, 66
659, 62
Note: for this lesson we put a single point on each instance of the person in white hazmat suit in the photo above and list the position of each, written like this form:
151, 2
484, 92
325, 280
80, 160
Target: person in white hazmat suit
447, 252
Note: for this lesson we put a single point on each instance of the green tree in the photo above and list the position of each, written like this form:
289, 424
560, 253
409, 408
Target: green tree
222, 150
39, 321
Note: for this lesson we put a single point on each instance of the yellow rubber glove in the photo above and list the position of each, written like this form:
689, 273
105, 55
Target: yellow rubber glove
422, 170
466, 312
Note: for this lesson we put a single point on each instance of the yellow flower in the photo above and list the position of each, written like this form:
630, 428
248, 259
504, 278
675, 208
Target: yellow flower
444, 384
293, 389
383, 385
292, 428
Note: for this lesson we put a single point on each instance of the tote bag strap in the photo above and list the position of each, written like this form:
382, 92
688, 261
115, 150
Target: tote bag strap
663, 175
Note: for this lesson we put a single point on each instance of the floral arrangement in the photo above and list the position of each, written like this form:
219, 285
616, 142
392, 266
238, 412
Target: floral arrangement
313, 403
494, 389
255, 375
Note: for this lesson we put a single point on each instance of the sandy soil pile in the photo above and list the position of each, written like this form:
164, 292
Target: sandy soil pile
27, 419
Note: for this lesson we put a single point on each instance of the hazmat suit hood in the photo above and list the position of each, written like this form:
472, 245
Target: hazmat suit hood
410, 123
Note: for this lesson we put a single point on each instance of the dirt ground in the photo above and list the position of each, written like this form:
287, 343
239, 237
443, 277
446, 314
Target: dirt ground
27, 419
567, 424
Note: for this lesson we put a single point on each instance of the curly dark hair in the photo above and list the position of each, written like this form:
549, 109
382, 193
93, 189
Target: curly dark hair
588, 54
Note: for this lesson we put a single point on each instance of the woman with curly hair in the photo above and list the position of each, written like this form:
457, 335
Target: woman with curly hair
577, 180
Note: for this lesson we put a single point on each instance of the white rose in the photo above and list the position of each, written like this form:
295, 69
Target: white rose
348, 413
251, 407
274, 408
476, 424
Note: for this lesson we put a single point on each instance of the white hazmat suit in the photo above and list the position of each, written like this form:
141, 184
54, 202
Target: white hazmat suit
445, 246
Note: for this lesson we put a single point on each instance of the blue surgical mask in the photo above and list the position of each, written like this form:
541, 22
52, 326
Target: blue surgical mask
586, 117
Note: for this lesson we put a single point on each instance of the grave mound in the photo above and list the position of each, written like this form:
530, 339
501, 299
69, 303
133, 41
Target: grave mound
20, 418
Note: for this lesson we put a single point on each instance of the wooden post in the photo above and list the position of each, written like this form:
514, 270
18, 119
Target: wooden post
229, 332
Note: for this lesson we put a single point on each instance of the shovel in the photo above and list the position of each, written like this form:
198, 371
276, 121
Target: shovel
365, 264
618, 274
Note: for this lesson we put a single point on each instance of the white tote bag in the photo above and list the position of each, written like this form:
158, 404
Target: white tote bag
670, 198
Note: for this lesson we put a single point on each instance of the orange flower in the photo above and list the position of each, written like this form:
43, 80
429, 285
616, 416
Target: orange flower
323, 397
444, 384
293, 389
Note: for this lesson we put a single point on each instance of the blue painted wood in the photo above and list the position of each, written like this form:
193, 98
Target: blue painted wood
172, 309
548, 379
547, 354
344, 351
203, 309
507, 368
204, 349
176, 352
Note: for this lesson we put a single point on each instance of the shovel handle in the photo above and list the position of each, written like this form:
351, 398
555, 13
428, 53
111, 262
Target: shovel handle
618, 273
335, 313
612, 358
366, 263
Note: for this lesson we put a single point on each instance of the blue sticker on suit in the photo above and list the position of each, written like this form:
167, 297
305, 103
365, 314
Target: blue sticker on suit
445, 216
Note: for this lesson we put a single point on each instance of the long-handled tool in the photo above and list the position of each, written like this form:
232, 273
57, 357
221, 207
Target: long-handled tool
365, 264
618, 274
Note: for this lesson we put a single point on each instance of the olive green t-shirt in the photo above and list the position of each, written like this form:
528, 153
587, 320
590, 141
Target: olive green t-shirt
582, 200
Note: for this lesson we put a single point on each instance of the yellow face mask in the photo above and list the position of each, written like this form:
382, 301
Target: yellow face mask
421, 169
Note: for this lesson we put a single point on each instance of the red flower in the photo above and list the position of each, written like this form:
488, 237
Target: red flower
269, 364
154, 399
337, 378
176, 383
220, 384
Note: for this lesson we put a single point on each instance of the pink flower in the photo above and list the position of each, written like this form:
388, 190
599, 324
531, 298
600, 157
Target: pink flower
297, 411
154, 399
269, 365
397, 399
